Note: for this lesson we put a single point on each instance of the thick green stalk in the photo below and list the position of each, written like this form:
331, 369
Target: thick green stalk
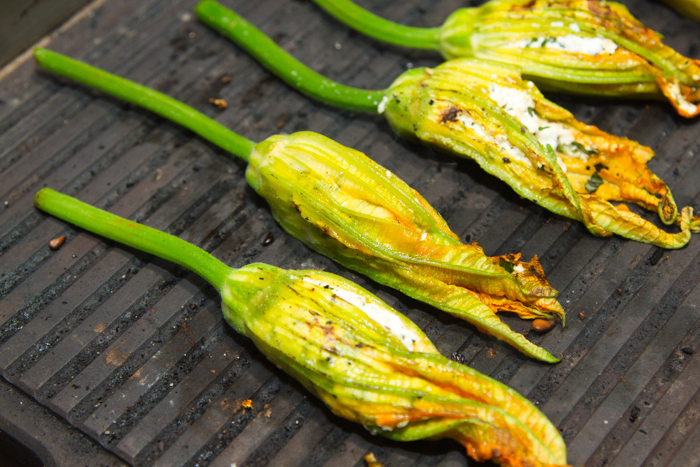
133, 234
372, 25
289, 69
154, 101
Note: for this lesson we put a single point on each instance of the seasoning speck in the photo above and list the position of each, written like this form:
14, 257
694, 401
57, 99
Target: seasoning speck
220, 103
372, 460
56, 243
269, 238
542, 325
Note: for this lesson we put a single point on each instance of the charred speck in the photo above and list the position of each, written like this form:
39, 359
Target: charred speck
656, 257
450, 115
457, 357
634, 414
269, 238
431, 102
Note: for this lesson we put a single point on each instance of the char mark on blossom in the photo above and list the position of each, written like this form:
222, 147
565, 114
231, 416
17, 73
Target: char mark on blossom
450, 114
598, 9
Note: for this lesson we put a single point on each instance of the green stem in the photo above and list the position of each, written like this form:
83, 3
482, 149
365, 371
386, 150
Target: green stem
148, 98
289, 69
372, 25
132, 234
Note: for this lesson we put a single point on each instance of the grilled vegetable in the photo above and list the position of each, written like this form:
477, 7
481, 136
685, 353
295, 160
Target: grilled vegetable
576, 46
367, 362
485, 111
351, 209
344, 205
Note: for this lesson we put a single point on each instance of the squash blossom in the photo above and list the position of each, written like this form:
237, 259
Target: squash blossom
575, 46
349, 208
367, 362
485, 111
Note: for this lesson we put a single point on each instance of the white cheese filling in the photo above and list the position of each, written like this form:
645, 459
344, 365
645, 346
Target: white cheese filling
569, 43
382, 105
520, 105
501, 141
684, 105
385, 317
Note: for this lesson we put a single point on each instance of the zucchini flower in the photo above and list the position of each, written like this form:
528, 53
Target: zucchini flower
576, 46
485, 111
349, 208
367, 362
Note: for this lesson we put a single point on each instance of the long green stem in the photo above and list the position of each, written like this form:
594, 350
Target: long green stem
372, 25
133, 234
289, 69
154, 101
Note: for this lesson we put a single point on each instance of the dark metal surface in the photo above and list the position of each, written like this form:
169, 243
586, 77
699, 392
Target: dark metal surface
23, 22
133, 351
48, 440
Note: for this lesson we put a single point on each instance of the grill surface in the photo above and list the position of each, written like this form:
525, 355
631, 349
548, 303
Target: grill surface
133, 352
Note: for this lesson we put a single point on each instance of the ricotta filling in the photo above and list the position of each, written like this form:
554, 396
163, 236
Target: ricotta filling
569, 43
684, 105
385, 317
501, 141
382, 105
520, 105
